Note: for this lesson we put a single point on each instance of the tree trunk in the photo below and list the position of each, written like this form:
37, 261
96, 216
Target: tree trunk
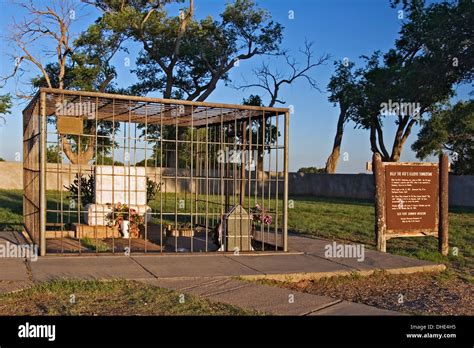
81, 156
373, 140
260, 163
400, 139
333, 158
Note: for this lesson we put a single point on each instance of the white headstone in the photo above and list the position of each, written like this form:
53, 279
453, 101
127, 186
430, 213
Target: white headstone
114, 184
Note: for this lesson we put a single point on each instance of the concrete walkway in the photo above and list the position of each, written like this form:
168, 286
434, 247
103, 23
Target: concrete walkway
212, 275
265, 299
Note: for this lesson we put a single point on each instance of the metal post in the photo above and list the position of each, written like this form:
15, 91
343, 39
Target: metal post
277, 203
43, 135
285, 182
443, 246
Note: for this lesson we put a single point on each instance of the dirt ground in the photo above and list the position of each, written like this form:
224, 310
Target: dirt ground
419, 293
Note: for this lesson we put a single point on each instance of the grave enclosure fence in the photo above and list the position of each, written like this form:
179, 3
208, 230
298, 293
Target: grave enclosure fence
107, 173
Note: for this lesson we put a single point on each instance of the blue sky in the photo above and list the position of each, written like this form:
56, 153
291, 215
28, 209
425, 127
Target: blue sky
341, 28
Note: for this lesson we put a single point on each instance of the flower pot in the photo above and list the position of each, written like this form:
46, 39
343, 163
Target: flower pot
125, 227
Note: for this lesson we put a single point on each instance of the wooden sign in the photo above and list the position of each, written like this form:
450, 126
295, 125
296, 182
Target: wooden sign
411, 200
411, 197
69, 125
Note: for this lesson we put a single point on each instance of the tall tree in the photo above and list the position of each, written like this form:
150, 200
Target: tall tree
184, 57
83, 63
272, 81
449, 129
262, 132
433, 54
343, 91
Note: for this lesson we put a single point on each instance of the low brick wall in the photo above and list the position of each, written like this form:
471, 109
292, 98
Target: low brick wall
357, 186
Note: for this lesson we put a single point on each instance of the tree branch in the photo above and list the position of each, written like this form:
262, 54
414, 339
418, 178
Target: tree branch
272, 81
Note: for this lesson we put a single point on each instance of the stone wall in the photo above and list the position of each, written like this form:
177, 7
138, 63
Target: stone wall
361, 186
357, 186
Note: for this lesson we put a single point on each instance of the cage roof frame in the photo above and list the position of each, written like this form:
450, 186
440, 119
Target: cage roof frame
137, 109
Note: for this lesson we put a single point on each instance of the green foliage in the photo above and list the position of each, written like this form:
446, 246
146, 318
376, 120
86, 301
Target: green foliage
342, 85
88, 66
53, 154
82, 187
2, 160
11, 210
432, 55
93, 244
150, 162
311, 170
188, 63
256, 129
5, 105
450, 129
254, 100
152, 188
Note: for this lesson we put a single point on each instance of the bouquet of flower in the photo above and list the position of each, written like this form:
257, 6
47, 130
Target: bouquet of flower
122, 212
260, 215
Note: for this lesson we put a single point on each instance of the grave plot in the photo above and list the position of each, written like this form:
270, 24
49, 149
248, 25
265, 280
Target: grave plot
106, 173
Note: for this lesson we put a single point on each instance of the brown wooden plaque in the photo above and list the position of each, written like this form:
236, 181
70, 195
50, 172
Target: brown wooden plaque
411, 197
69, 125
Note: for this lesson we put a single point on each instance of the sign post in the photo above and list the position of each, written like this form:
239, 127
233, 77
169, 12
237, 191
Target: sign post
411, 199
380, 223
443, 204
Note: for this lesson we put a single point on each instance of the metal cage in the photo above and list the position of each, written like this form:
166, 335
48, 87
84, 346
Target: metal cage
107, 173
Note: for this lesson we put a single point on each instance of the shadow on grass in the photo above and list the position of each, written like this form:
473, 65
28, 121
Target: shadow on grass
11, 210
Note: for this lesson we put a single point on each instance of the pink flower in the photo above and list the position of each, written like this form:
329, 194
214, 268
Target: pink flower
267, 219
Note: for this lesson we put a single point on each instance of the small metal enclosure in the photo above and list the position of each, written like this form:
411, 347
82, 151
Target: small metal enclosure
187, 148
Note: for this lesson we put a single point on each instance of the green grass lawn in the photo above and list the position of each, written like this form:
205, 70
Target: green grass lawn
73, 297
11, 203
349, 220
337, 219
